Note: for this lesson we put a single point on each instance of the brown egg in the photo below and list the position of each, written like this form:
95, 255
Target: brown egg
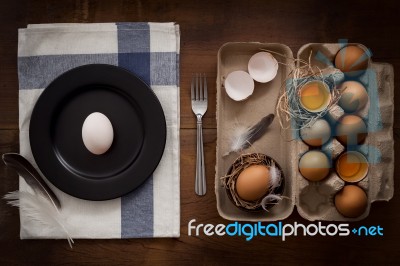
351, 58
353, 97
351, 130
314, 165
351, 201
253, 182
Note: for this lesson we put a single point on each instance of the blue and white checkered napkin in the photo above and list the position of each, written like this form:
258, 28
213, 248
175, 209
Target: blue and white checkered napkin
151, 51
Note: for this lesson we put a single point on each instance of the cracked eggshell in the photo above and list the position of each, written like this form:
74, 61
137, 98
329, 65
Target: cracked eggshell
263, 67
315, 96
239, 85
352, 166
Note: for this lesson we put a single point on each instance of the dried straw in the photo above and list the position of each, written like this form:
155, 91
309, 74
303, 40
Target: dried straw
288, 108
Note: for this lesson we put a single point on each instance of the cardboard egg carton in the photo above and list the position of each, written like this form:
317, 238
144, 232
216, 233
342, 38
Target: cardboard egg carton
314, 200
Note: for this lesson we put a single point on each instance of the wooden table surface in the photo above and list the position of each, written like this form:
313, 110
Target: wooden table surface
205, 26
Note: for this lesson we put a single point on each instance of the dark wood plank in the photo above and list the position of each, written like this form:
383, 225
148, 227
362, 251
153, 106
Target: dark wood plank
205, 26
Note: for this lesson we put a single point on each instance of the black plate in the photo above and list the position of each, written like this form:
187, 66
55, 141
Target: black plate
56, 132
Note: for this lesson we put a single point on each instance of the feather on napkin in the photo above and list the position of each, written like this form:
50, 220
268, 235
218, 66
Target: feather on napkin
39, 209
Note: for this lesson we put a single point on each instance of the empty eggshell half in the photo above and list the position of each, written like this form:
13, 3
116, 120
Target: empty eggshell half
239, 85
263, 67
315, 96
352, 166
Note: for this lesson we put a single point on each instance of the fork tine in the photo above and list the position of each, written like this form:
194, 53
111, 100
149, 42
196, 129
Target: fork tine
201, 88
205, 87
192, 88
197, 87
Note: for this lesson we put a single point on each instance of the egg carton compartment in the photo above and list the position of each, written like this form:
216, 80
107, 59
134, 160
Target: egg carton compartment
384, 138
385, 80
364, 184
386, 115
378, 145
385, 147
314, 200
334, 114
232, 114
333, 148
385, 191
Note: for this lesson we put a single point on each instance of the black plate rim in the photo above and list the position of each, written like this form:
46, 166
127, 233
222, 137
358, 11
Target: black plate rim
122, 183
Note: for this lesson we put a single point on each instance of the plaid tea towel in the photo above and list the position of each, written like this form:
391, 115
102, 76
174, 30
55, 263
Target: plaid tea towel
151, 52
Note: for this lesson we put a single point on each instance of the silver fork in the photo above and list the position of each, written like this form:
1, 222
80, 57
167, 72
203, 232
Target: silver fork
199, 107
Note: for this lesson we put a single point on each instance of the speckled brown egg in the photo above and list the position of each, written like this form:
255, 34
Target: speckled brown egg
351, 130
351, 201
314, 165
253, 182
351, 59
353, 97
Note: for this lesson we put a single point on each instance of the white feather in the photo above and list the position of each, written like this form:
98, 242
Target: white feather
267, 200
241, 136
275, 175
276, 180
39, 209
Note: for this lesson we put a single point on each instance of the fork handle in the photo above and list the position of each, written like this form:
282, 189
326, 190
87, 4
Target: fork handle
200, 182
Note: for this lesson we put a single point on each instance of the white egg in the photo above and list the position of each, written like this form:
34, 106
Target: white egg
97, 133
239, 85
317, 134
263, 67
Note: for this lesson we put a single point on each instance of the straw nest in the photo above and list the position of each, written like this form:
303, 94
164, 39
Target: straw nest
288, 108
273, 194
